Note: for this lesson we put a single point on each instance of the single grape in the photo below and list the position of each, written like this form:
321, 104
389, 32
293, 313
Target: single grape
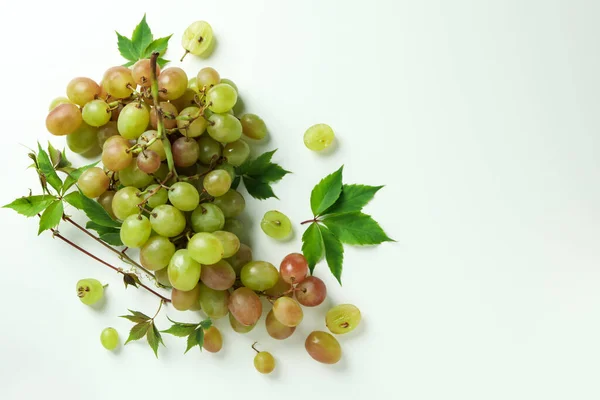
184, 271
142, 71
219, 276
115, 153
193, 84
118, 82
93, 182
109, 338
197, 38
281, 288
167, 221
89, 291
148, 161
106, 200
184, 196
162, 277
236, 227
236, 152
311, 291
214, 302
58, 101
172, 83
245, 306
155, 195
221, 98
217, 182
133, 120
125, 202
259, 275
224, 128
184, 300
230, 83
185, 152
241, 258
293, 268
168, 109
156, 253
106, 131
64, 119
230, 242
207, 217
323, 347
132, 175
205, 248
135, 231
213, 341
84, 139
82, 90
207, 77
156, 145
288, 311
276, 329
318, 137
342, 318
192, 128
238, 327
276, 225
253, 126
209, 150
96, 113
264, 362
187, 99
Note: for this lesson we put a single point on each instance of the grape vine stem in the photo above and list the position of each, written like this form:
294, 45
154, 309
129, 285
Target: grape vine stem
308, 221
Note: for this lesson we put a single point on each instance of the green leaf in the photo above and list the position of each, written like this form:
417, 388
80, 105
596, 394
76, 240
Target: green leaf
74, 199
182, 323
312, 246
126, 48
207, 323
236, 182
129, 63
100, 228
112, 238
257, 189
64, 162
200, 337
51, 216
74, 175
356, 228
55, 155
326, 192
138, 331
273, 173
192, 340
46, 168
259, 173
334, 253
129, 278
159, 45
31, 205
353, 198
110, 235
141, 37
97, 213
259, 164
162, 62
154, 339
180, 330
136, 316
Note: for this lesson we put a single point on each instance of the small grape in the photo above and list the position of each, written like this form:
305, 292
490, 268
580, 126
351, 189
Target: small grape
207, 77
193, 128
185, 152
156, 253
159, 197
311, 291
142, 71
89, 291
184, 271
82, 90
230, 242
64, 119
106, 131
241, 258
167, 221
184, 196
183, 301
93, 182
213, 340
276, 329
264, 362
253, 126
236, 152
118, 82
84, 139
318, 137
259, 275
106, 200
156, 146
109, 338
323, 347
172, 83
207, 217
224, 128
96, 113
197, 38
132, 175
342, 318
245, 306
221, 98
162, 277
58, 101
135, 231
133, 120
281, 288
125, 202
115, 153
294, 268
218, 276
168, 109
205, 248
288, 311
148, 161
217, 182
238, 327
209, 149
214, 302
276, 225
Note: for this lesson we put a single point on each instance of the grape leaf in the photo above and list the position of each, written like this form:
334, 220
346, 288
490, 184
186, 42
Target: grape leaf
74, 175
259, 174
109, 234
326, 192
353, 198
142, 44
159, 45
112, 238
154, 338
136, 316
138, 331
162, 62
47, 170
258, 189
74, 199
126, 48
141, 37
356, 228
196, 338
31, 205
97, 213
334, 253
312, 246
51, 216
181, 330
207, 323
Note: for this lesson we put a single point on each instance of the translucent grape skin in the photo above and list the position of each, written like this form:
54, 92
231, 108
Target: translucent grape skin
133, 120
184, 271
156, 253
89, 291
84, 139
106, 200
205, 248
168, 108
238, 327
276, 329
288, 311
253, 126
230, 242
276, 225
311, 292
242, 257
197, 39
213, 340
135, 231
214, 303
109, 338
293, 268
245, 306
209, 149
96, 113
93, 182
281, 288
141, 71
221, 98
115, 154
218, 276
231, 203
342, 318
207, 217
118, 82
172, 83
318, 137
182, 300
184, 196
217, 182
236, 152
259, 275
167, 220
323, 347
264, 362
82, 90
185, 152
224, 128
125, 202
148, 161
64, 119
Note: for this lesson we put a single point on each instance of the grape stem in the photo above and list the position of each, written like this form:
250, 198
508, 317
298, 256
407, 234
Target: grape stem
308, 221
254, 348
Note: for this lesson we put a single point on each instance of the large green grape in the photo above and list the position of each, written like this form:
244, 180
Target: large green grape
259, 275
276, 225
207, 217
236, 152
193, 128
224, 128
217, 182
323, 347
209, 149
125, 202
231, 203
167, 221
96, 113
84, 139
230, 242
135, 231
158, 198
342, 318
132, 175
184, 271
89, 291
221, 98
109, 338
184, 196
253, 126
156, 253
318, 137
205, 248
214, 302
133, 120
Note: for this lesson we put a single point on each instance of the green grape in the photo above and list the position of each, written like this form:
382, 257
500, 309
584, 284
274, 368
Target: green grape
207, 217
115, 153
221, 98
342, 318
231, 203
214, 302
193, 128
213, 341
185, 152
318, 137
276, 329
207, 77
197, 38
184, 271
58, 101
236, 227
187, 99
264, 362
218, 276
242, 257
294, 268
82, 90
183, 300
323, 347
89, 291
132, 175
159, 197
167, 221
125, 202
193, 84
287, 311
230, 169
253, 126
96, 113
168, 109
259, 275
84, 139
230, 242
311, 291
217, 182
118, 82
106, 200
236, 152
64, 119
205, 248
224, 128
109, 338
106, 131
276, 225
230, 83
156, 253
172, 83
162, 172
245, 306
93, 182
142, 71
156, 146
184, 196
209, 149
238, 327
133, 120
162, 277
135, 231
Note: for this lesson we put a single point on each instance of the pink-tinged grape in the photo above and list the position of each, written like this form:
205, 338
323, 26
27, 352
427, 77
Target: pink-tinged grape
318, 137
224, 128
230, 242
221, 98
106, 200
96, 113
241, 258
236, 152
135, 231
197, 39
342, 318
264, 362
106, 131
162, 277
167, 221
125, 202
207, 217
172, 83
89, 291
115, 153
156, 253
187, 99
253, 126
155, 196
259, 275
109, 338
64, 119
132, 175
219, 276
245, 306
148, 161
133, 120
82, 90
84, 139
217, 183
323, 347
185, 152
311, 291
58, 101
276, 225
142, 71
168, 109
205, 248
288, 311
238, 327
184, 196
184, 271
281, 288
209, 149
213, 340
192, 128
293, 268
184, 300
93, 182
156, 146
276, 329
214, 302
236, 227
118, 82
207, 77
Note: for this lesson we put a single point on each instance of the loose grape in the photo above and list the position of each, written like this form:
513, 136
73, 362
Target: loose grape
288, 311
207, 217
213, 341
276, 329
253, 126
64, 119
115, 153
217, 182
125, 202
221, 98
187, 99
342, 318
106, 200
89, 291
183, 300
93, 182
82, 90
245, 306
214, 302
132, 175
318, 137
197, 38
264, 362
168, 109
109, 338
323, 347
118, 82
205, 248
184, 196
209, 149
96, 113
294, 268
106, 131
236, 227
156, 253
162, 277
84, 139
167, 221
281, 288
58, 101
135, 231
276, 225
311, 291
224, 128
184, 271
236, 152
192, 128
185, 152
133, 120
219, 276
238, 327
156, 146
259, 275
142, 71
241, 258
148, 161
230, 242
172, 83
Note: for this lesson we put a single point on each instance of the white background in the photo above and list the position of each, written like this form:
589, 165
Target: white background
481, 117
